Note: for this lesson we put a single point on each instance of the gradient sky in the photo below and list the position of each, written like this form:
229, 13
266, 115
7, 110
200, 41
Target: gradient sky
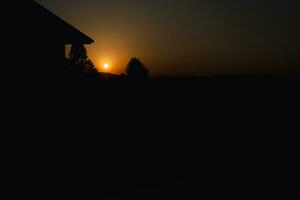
189, 37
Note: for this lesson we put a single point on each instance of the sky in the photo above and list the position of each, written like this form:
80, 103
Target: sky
189, 37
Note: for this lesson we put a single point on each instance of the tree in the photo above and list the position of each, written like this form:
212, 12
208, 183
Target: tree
78, 56
136, 70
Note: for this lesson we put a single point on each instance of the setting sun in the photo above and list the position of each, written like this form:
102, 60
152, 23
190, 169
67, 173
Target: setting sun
106, 66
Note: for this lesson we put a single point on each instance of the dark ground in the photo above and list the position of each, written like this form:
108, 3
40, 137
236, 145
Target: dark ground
175, 138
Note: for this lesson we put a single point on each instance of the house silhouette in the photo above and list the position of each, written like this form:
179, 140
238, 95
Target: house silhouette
39, 40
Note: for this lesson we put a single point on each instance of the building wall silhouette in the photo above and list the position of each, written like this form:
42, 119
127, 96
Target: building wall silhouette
37, 40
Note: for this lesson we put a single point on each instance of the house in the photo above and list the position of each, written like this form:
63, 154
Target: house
39, 38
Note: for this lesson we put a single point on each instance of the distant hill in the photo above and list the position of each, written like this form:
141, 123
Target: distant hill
108, 76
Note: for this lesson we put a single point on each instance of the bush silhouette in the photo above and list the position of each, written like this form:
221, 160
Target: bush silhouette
136, 70
78, 56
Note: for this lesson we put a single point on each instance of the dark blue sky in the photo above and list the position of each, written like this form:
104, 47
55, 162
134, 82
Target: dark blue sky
189, 37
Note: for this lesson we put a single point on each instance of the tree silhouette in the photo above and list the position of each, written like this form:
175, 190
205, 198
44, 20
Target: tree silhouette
136, 70
78, 56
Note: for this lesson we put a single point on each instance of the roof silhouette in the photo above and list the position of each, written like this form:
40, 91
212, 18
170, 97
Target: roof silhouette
40, 23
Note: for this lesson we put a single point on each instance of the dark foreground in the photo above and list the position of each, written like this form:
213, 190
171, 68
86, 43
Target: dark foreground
183, 138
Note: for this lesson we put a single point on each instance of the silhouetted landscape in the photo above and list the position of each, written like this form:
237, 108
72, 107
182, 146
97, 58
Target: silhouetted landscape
73, 131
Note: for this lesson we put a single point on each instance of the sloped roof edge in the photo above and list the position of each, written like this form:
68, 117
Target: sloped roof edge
84, 38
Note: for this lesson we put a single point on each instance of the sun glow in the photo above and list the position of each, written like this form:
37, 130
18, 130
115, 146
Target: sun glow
106, 66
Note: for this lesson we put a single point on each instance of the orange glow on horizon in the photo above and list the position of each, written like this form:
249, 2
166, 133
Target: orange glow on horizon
104, 64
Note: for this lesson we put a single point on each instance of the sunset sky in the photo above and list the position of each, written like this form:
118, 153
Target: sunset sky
189, 37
